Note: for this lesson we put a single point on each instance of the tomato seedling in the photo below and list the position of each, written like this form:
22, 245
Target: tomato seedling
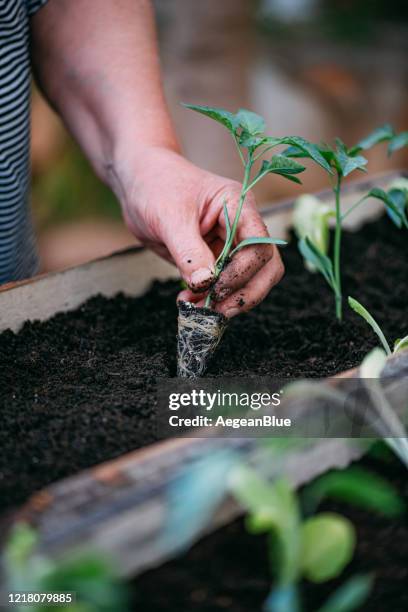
247, 130
342, 161
200, 329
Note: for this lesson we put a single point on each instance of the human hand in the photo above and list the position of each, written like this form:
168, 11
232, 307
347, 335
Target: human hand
176, 209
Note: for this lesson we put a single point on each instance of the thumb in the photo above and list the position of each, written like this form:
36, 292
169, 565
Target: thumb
192, 255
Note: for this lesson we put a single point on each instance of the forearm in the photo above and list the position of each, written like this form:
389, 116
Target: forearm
97, 63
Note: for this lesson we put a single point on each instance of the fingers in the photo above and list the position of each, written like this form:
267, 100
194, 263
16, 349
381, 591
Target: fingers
191, 254
186, 295
247, 297
255, 290
246, 263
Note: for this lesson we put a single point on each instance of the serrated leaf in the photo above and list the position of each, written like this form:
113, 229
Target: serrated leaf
328, 542
398, 142
363, 312
284, 166
250, 122
401, 344
295, 152
395, 202
311, 150
350, 596
221, 115
290, 177
279, 164
384, 132
327, 152
318, 259
355, 486
347, 164
260, 240
249, 141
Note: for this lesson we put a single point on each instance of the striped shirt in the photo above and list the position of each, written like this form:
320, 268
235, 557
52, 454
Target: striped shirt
18, 255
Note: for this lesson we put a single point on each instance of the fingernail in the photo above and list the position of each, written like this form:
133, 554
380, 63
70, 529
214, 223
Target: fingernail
202, 276
232, 312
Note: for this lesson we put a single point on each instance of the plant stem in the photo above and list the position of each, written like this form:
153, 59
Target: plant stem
337, 248
239, 151
219, 264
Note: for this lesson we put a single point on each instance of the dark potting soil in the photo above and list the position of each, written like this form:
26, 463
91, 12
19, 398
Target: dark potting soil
80, 388
229, 569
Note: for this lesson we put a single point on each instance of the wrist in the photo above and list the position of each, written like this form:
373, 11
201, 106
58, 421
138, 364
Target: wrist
132, 157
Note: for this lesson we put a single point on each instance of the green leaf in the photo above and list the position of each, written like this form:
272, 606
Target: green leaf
221, 115
399, 197
327, 152
279, 164
384, 132
318, 259
347, 164
248, 141
401, 344
349, 596
20, 545
328, 542
92, 579
271, 507
399, 141
363, 312
259, 498
290, 177
227, 221
250, 122
395, 202
309, 149
260, 240
355, 486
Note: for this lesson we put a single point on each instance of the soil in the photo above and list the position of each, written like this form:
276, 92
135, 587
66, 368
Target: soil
80, 388
228, 570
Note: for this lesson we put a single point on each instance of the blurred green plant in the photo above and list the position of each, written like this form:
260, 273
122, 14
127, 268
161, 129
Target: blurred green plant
89, 576
317, 548
356, 486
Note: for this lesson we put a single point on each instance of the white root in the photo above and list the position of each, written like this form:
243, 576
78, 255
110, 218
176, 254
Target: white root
199, 333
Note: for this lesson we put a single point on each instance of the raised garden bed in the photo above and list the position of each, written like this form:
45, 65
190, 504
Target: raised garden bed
79, 387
